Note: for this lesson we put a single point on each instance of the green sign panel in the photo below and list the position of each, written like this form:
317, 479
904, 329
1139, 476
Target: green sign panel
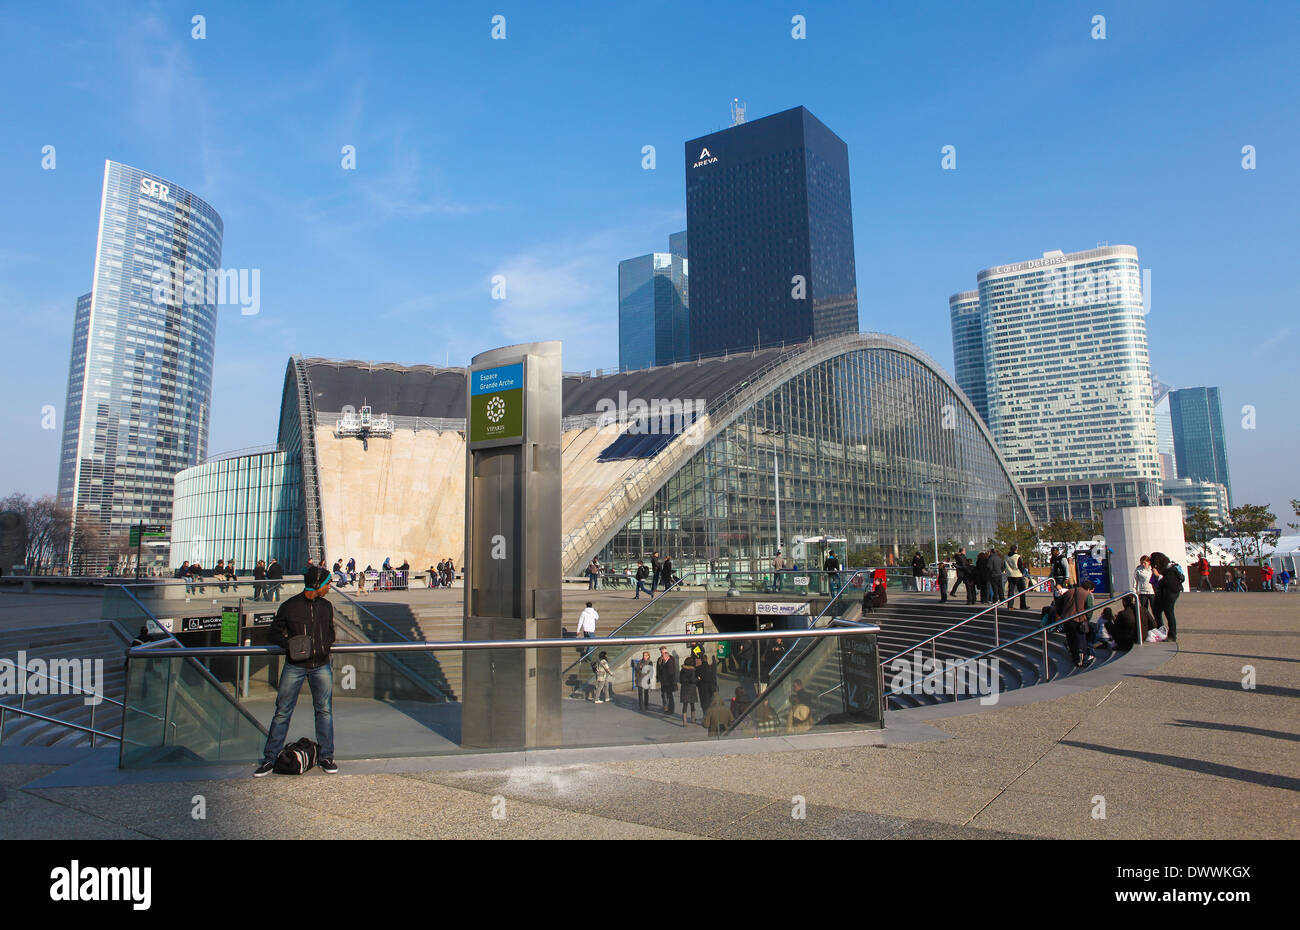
150, 532
496, 404
230, 627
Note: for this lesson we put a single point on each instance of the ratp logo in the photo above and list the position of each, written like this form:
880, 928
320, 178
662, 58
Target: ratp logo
706, 158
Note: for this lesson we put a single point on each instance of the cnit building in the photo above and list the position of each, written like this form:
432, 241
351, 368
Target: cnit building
140, 375
861, 429
1055, 348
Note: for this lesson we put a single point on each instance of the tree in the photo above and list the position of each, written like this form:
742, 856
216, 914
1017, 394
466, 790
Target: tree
1200, 527
1250, 531
1295, 505
1065, 533
48, 527
1019, 534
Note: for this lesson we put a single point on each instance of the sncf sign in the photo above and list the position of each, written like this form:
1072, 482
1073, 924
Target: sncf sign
154, 188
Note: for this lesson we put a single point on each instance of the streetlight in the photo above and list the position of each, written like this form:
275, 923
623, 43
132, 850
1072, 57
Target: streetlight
934, 515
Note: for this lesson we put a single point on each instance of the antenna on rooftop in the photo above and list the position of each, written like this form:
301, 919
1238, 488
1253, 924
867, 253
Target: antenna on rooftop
737, 111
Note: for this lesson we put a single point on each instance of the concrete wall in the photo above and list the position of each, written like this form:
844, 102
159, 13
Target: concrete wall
404, 497
1133, 532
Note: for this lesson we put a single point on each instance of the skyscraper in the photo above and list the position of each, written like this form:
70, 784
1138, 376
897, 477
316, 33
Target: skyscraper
140, 374
968, 349
677, 244
1164, 430
770, 224
1067, 373
653, 311
1199, 442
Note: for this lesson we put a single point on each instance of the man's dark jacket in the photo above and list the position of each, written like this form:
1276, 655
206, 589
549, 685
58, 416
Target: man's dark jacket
275, 571
299, 616
666, 673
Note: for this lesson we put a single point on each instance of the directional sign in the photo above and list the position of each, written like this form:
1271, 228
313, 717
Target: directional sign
496, 406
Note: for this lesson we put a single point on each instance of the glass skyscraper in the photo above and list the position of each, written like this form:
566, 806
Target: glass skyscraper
140, 375
1164, 429
968, 349
1199, 444
770, 225
653, 315
1067, 374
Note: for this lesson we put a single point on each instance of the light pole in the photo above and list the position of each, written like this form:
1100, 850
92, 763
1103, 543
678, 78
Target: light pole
934, 515
776, 477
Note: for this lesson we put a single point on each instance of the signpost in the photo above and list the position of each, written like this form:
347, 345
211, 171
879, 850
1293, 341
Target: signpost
139, 533
511, 697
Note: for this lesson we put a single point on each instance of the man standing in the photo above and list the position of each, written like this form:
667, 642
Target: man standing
655, 568
996, 564
587, 622
1016, 580
1078, 599
304, 628
778, 566
666, 672
832, 568
667, 569
643, 673
259, 580
274, 572
943, 581
918, 569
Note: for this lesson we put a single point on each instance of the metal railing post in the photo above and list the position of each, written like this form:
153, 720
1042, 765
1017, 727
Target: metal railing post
1046, 674
997, 636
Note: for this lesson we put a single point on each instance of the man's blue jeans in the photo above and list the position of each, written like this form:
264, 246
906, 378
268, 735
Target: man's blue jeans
640, 586
321, 681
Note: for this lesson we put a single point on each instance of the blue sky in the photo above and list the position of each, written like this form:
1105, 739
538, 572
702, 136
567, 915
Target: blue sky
522, 157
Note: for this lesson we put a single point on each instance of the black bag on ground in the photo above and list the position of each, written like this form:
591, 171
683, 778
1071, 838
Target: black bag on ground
297, 758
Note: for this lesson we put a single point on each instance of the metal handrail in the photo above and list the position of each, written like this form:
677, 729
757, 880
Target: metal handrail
5, 708
848, 628
1043, 631
993, 607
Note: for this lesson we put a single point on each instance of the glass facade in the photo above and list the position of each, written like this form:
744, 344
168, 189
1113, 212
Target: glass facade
245, 507
1066, 367
968, 349
1164, 430
140, 381
767, 201
1199, 443
653, 314
1085, 500
677, 244
858, 440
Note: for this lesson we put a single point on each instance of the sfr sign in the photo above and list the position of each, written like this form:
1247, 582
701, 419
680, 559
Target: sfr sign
153, 188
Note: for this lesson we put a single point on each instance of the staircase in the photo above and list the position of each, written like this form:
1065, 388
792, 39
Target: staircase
102, 640
906, 622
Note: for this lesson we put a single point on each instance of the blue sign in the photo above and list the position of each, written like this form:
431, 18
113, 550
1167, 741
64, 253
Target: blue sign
1095, 571
494, 380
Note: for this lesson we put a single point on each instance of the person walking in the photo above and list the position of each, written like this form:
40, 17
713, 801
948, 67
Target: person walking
587, 624
832, 568
304, 628
1078, 600
918, 569
604, 679
1266, 577
1060, 572
274, 576
690, 691
1142, 578
982, 576
593, 573
944, 575
778, 567
963, 568
1203, 569
666, 673
656, 569
642, 573
1017, 575
1171, 585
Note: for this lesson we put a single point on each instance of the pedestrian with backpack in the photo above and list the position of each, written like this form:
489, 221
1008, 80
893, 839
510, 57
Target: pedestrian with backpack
1171, 585
604, 679
304, 628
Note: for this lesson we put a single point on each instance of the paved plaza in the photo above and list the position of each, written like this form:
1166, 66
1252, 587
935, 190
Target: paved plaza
1166, 742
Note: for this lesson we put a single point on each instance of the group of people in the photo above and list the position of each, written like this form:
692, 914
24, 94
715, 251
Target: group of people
386, 577
266, 578
648, 578
988, 577
1236, 581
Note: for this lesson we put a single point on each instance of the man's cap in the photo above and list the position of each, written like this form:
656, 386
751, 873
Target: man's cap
315, 577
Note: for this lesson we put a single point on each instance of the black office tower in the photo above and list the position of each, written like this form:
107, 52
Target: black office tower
770, 224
